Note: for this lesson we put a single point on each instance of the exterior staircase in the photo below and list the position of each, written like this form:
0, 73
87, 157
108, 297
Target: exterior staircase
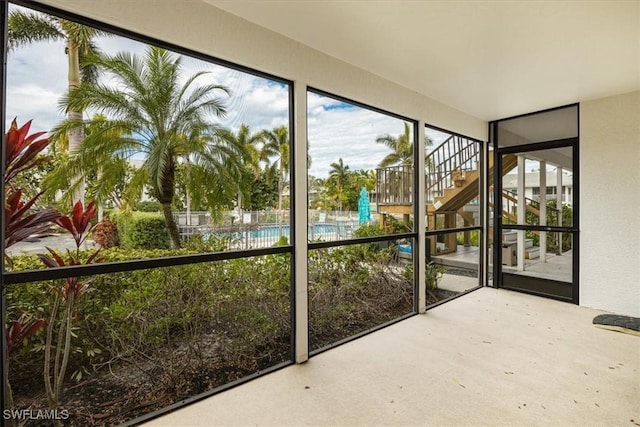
452, 182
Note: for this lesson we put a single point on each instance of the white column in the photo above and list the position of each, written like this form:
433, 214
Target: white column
420, 222
301, 324
521, 211
559, 204
189, 207
543, 210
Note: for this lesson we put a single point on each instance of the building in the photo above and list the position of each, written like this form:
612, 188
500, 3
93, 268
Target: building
532, 185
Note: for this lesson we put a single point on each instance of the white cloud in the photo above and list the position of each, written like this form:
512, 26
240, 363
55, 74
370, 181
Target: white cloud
337, 130
37, 77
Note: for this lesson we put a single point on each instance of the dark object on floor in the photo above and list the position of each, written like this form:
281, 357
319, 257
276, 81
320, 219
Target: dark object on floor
614, 322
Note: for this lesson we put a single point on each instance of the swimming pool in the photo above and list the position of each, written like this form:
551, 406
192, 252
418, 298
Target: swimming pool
274, 231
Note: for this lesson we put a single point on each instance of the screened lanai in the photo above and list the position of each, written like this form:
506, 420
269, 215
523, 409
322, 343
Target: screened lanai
232, 278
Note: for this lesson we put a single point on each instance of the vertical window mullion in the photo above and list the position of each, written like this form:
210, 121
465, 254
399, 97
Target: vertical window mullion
300, 215
420, 217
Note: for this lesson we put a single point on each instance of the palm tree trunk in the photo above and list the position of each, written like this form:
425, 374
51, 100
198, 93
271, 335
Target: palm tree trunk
76, 135
174, 234
280, 185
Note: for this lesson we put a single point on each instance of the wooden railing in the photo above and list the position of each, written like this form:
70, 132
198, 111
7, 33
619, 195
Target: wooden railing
510, 208
455, 156
395, 185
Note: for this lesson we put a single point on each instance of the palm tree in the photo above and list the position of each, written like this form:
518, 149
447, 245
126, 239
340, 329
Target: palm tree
162, 118
31, 27
276, 145
338, 176
402, 147
252, 153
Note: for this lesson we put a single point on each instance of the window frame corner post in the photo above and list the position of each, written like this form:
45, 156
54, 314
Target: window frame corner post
4, 371
420, 222
300, 214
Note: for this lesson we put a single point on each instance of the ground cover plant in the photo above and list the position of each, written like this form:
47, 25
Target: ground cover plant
353, 289
145, 339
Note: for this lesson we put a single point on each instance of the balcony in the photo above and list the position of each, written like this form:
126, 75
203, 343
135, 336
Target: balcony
491, 357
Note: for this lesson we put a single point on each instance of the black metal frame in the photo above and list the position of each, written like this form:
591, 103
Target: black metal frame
375, 239
4, 12
12, 278
480, 228
498, 227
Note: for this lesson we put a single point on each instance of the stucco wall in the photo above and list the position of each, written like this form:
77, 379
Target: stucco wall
610, 209
201, 27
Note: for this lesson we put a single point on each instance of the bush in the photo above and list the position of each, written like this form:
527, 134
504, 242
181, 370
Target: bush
368, 230
106, 234
242, 306
148, 206
198, 243
353, 289
141, 230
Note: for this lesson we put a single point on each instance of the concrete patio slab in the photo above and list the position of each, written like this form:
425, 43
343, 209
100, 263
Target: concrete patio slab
492, 357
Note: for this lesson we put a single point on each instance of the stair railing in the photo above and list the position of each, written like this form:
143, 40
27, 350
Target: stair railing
394, 185
510, 205
455, 154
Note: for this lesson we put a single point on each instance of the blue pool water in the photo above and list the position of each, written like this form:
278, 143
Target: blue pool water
275, 230
405, 248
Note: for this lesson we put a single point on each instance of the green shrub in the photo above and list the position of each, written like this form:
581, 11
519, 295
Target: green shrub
148, 206
142, 230
368, 230
282, 241
473, 238
242, 305
352, 289
211, 243
432, 275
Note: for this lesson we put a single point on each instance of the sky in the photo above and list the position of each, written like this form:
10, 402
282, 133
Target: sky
37, 77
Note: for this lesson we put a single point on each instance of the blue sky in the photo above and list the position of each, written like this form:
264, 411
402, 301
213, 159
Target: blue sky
37, 77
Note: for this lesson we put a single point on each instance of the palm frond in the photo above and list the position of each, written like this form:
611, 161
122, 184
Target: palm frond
28, 27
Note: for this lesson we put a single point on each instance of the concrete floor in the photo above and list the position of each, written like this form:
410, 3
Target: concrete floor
555, 267
492, 357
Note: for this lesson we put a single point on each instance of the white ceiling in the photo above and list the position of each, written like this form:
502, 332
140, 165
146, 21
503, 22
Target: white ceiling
490, 59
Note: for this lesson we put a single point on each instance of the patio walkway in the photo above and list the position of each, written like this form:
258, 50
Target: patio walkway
492, 357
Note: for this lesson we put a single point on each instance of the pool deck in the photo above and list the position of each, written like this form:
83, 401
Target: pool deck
556, 267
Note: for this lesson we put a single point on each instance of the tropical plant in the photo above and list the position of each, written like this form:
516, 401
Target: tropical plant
65, 298
22, 153
16, 332
277, 148
338, 177
31, 27
162, 117
356, 180
402, 148
433, 273
252, 153
263, 192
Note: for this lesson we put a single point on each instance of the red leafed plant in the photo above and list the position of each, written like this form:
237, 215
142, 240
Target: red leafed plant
22, 153
79, 226
21, 150
20, 221
19, 330
79, 223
